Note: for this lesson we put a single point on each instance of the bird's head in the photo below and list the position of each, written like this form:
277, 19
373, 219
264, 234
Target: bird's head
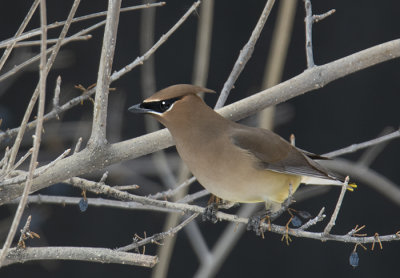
173, 101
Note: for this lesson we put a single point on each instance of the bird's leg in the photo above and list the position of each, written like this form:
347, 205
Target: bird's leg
255, 221
210, 212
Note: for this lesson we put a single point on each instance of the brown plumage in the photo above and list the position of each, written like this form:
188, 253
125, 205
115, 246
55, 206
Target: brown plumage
234, 162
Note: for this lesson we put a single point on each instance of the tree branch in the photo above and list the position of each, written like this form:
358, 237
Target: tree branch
37, 32
24, 23
98, 136
355, 147
89, 254
160, 236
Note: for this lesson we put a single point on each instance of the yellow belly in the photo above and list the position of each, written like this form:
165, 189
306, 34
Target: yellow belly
259, 186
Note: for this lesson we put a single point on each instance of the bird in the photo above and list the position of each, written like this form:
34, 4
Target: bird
234, 162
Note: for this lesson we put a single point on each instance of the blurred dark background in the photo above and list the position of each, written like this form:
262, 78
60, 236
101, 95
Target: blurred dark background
350, 110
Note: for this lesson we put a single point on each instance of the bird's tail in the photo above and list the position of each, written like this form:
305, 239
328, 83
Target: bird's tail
321, 181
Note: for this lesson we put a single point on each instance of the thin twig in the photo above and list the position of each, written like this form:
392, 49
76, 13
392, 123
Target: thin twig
37, 32
62, 42
320, 217
192, 197
244, 55
78, 145
172, 192
21, 160
89, 254
51, 41
126, 187
21, 29
37, 137
355, 147
308, 24
366, 176
95, 202
5, 160
159, 236
21, 178
335, 213
319, 17
139, 61
370, 154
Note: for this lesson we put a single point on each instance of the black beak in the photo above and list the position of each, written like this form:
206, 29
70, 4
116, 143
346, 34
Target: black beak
138, 109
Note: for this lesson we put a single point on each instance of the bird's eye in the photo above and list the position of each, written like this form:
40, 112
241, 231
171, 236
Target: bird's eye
164, 105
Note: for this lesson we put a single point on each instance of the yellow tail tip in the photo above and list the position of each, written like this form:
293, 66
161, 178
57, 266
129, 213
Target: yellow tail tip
351, 187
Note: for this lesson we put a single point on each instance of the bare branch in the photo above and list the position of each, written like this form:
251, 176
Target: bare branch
56, 99
320, 217
355, 147
335, 213
22, 178
157, 237
78, 145
139, 61
37, 137
21, 160
98, 136
367, 176
89, 254
244, 55
50, 41
37, 32
22, 27
172, 192
95, 202
309, 22
319, 17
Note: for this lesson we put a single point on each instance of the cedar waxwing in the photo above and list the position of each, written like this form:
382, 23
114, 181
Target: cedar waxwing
234, 162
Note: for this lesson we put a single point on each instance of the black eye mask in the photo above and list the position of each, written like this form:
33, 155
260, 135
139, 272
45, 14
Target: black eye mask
159, 106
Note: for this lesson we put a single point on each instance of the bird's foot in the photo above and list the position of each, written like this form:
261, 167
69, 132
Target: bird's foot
210, 212
255, 223
295, 220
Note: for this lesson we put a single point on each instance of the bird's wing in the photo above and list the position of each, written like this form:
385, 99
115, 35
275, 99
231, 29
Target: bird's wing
274, 153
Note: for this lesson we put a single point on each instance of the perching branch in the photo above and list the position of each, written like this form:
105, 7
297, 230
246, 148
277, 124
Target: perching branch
186, 208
